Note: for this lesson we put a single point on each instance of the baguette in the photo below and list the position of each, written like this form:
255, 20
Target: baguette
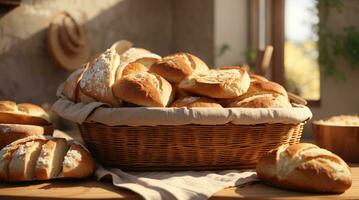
12, 132
24, 113
304, 167
44, 158
229, 83
177, 67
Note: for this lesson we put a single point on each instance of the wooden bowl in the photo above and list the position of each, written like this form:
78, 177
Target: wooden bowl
341, 140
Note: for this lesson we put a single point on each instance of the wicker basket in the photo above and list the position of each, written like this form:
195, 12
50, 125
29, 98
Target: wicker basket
186, 147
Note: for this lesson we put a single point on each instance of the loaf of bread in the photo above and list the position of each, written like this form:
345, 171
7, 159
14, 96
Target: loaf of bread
177, 67
192, 102
304, 167
12, 132
44, 158
144, 89
226, 83
262, 94
99, 77
24, 113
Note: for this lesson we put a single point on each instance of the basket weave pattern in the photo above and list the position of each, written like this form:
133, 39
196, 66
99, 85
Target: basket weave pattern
187, 147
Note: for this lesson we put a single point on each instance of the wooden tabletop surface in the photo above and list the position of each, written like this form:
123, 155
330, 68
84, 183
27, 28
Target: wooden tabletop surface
90, 189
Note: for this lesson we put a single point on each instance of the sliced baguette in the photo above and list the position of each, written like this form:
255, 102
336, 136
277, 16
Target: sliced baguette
23, 161
49, 162
78, 162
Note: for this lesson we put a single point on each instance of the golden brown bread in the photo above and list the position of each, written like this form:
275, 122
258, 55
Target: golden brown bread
144, 89
43, 158
191, 102
98, 78
262, 94
11, 132
226, 83
256, 77
24, 113
177, 67
304, 167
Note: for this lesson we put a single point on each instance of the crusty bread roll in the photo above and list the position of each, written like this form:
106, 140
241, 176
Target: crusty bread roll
177, 67
11, 132
43, 158
24, 113
49, 162
305, 167
144, 89
191, 102
256, 77
228, 83
262, 95
99, 77
78, 162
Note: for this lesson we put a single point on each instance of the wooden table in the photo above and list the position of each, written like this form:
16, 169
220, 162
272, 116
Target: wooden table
90, 189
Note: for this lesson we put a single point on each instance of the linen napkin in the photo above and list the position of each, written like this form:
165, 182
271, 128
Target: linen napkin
182, 185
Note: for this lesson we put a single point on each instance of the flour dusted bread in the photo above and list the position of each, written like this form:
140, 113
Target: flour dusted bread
226, 83
99, 77
49, 162
12, 132
262, 94
144, 89
78, 162
192, 102
178, 66
44, 158
305, 167
24, 113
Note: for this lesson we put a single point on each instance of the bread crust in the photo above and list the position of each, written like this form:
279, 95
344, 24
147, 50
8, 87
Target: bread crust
144, 89
192, 102
219, 86
307, 168
177, 67
78, 162
24, 113
12, 132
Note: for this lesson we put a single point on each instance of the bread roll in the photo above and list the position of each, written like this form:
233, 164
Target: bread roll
262, 95
304, 167
11, 132
25, 113
144, 89
191, 102
256, 77
49, 162
98, 79
78, 162
229, 83
177, 67
43, 158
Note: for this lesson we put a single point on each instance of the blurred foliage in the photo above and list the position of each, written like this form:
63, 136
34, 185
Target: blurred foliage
222, 50
333, 45
302, 70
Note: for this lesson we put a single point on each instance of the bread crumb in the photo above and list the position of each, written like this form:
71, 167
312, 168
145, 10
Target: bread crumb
72, 157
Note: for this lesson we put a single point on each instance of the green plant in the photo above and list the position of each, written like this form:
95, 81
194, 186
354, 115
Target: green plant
332, 45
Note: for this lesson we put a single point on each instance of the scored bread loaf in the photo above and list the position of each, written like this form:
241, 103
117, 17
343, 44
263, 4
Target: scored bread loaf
226, 83
191, 102
262, 94
304, 167
23, 113
78, 162
144, 89
44, 158
98, 78
49, 162
12, 132
177, 67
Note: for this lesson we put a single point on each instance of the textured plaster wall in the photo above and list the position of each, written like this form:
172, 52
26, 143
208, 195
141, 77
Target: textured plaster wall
28, 74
